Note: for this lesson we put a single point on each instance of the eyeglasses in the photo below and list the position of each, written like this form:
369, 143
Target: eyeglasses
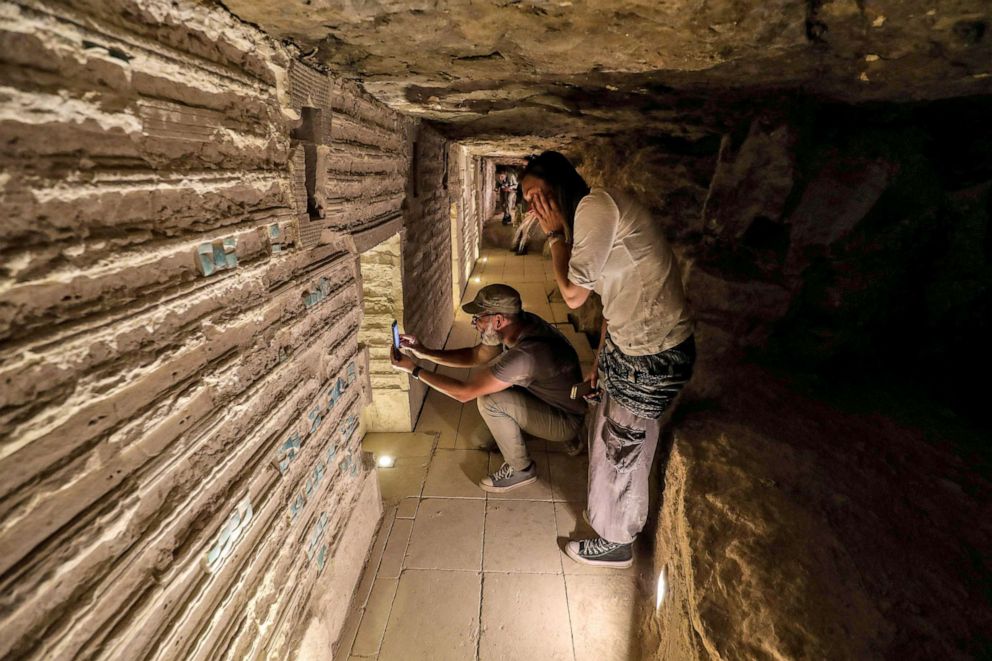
477, 317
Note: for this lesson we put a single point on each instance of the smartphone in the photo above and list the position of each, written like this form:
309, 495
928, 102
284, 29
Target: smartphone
581, 389
396, 335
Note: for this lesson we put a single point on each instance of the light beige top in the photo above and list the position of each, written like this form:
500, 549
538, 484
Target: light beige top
620, 252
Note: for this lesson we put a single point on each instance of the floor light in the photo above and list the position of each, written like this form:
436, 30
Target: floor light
385, 461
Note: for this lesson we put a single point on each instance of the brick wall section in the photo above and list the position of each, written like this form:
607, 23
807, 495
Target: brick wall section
368, 161
427, 250
464, 181
310, 89
383, 302
181, 374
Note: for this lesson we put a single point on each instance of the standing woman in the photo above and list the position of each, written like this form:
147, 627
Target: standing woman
604, 241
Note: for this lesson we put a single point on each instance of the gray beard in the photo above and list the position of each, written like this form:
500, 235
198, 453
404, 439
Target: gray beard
491, 338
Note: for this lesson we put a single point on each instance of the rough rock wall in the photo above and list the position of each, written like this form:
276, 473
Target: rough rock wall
842, 515
828, 236
794, 529
854, 240
181, 474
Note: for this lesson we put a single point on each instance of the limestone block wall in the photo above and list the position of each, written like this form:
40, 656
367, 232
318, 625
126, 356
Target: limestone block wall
180, 470
487, 188
467, 182
382, 299
427, 255
369, 160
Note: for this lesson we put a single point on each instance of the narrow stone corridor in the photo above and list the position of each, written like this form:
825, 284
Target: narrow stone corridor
457, 573
213, 213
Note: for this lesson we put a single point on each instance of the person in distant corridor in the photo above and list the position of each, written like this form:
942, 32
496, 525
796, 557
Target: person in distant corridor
525, 386
604, 241
506, 185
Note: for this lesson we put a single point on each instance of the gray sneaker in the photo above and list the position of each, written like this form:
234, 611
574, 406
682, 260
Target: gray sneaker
601, 553
507, 479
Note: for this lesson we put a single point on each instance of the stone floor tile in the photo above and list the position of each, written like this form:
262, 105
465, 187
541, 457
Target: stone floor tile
535, 275
560, 311
447, 534
540, 490
473, 433
405, 479
399, 444
569, 476
345, 641
524, 616
375, 557
521, 537
435, 617
532, 294
396, 547
471, 289
440, 415
376, 615
604, 614
543, 310
456, 474
407, 509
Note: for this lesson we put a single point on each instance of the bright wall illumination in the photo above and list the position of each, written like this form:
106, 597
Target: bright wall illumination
661, 589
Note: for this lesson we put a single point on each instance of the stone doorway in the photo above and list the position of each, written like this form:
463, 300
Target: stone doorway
382, 301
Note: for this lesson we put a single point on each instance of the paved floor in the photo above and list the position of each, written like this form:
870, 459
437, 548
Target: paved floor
457, 573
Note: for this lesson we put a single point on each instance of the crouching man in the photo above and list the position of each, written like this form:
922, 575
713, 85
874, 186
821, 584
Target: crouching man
525, 386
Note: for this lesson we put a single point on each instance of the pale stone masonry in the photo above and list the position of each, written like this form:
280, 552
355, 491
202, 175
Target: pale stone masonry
183, 206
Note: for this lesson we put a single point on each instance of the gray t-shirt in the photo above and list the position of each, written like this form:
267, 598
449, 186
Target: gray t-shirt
544, 363
620, 252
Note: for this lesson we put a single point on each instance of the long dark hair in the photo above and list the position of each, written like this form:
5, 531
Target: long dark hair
559, 173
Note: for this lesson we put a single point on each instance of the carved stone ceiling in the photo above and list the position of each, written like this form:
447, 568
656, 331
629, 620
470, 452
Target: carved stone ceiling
509, 76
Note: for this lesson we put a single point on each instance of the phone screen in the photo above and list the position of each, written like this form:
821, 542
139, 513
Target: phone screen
396, 335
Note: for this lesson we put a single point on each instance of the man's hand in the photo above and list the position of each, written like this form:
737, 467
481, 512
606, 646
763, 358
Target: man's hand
410, 345
548, 214
401, 362
592, 375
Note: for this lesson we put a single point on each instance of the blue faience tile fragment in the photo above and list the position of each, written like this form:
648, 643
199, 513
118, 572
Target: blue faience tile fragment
205, 258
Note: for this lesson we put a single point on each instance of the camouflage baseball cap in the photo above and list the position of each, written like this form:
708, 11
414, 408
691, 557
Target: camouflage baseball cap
502, 299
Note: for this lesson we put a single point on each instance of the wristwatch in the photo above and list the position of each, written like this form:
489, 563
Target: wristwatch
555, 234
416, 372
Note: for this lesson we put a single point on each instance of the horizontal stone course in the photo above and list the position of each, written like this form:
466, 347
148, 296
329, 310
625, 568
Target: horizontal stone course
173, 320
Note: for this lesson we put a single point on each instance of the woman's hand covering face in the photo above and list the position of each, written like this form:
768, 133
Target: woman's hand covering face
548, 214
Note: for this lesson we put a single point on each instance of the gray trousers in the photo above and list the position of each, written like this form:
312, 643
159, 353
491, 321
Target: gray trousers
621, 451
510, 412
622, 443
